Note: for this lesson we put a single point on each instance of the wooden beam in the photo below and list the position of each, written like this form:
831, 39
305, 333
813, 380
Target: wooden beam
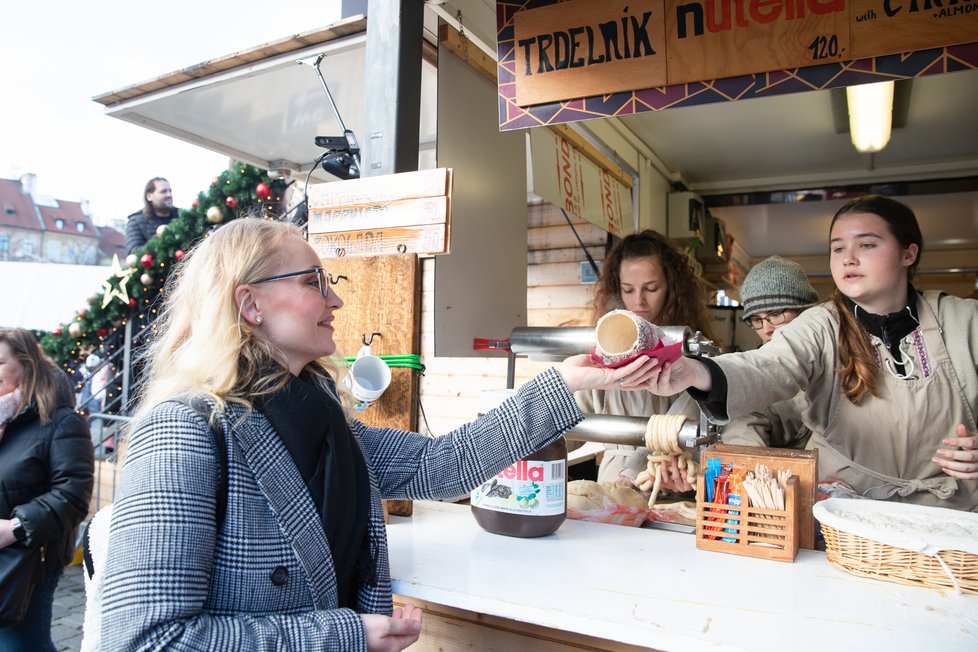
464, 50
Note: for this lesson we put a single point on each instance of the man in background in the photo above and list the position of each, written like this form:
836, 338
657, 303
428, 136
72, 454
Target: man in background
157, 210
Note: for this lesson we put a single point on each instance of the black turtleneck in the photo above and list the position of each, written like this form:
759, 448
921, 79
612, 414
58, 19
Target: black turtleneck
312, 426
890, 328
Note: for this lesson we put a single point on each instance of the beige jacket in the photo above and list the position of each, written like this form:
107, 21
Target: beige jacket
882, 447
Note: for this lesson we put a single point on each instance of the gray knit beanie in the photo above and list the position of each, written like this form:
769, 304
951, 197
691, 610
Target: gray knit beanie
776, 284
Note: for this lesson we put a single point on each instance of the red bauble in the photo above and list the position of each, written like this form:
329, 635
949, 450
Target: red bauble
179, 254
102, 332
193, 204
263, 191
82, 313
57, 332
146, 260
132, 303
231, 201
214, 182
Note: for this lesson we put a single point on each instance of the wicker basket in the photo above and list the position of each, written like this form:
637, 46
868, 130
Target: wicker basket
870, 558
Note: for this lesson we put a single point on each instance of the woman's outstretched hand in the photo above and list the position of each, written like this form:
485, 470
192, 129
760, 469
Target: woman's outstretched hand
580, 372
960, 459
677, 376
392, 633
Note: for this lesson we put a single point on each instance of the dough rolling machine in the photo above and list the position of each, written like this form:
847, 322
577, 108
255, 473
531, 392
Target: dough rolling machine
556, 344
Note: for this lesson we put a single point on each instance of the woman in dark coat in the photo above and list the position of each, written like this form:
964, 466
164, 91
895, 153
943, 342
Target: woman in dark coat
46, 475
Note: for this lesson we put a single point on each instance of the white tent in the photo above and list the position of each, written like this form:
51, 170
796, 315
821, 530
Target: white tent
43, 295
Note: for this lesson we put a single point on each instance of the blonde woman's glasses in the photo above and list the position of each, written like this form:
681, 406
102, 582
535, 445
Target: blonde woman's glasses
322, 278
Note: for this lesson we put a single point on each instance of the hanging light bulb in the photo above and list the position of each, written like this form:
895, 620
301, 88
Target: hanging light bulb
870, 115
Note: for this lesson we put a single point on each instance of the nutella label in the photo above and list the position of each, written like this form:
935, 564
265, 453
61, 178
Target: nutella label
529, 487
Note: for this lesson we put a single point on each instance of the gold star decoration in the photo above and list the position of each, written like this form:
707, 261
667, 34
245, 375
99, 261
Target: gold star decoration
118, 289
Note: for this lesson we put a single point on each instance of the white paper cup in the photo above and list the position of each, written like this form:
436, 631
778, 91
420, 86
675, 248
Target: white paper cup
369, 378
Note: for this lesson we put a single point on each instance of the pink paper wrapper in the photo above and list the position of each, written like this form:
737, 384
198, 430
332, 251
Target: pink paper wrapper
662, 353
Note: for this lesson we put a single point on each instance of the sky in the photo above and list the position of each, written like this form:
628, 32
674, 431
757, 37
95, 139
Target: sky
58, 54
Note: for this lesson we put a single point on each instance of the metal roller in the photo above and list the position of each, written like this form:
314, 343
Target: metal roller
630, 431
551, 343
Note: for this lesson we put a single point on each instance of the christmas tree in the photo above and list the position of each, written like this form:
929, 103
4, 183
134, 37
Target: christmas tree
132, 291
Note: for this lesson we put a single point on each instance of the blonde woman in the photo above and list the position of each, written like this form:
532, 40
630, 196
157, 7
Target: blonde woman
299, 561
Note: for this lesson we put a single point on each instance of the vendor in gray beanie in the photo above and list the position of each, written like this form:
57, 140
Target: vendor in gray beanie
774, 292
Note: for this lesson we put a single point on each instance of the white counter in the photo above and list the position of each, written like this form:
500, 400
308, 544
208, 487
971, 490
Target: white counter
654, 588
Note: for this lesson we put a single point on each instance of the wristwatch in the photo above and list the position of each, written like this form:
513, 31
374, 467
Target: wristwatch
19, 532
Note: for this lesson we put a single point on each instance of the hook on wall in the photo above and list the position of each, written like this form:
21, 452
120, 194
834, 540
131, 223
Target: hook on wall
366, 342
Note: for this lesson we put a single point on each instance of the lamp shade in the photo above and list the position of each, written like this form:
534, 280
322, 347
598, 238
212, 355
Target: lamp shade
870, 115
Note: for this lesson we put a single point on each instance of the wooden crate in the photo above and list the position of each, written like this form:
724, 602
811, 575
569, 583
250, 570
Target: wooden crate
801, 463
764, 533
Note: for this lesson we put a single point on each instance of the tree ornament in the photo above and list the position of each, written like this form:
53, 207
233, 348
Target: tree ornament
102, 332
179, 254
82, 313
214, 182
263, 191
57, 332
132, 260
92, 299
160, 229
194, 203
119, 288
132, 302
146, 279
74, 329
215, 215
231, 201
146, 261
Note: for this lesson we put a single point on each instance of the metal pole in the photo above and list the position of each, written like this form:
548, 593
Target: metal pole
329, 96
392, 88
126, 366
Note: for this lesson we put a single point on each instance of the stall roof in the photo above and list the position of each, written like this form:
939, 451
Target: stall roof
257, 105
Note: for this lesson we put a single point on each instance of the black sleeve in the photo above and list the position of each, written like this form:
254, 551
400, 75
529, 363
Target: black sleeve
713, 402
134, 233
63, 506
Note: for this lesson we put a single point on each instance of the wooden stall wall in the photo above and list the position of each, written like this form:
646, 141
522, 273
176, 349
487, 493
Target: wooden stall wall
555, 297
380, 307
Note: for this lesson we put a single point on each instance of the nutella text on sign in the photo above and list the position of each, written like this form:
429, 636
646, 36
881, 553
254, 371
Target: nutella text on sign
715, 39
581, 48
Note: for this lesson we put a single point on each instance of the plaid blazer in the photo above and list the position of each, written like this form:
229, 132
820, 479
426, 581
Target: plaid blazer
265, 579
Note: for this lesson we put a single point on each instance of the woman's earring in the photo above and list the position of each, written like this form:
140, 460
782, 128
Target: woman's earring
258, 319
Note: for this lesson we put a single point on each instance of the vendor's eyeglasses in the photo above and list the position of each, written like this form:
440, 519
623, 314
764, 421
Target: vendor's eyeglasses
774, 318
321, 277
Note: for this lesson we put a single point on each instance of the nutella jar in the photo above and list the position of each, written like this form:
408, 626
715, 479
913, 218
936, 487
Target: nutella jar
527, 499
